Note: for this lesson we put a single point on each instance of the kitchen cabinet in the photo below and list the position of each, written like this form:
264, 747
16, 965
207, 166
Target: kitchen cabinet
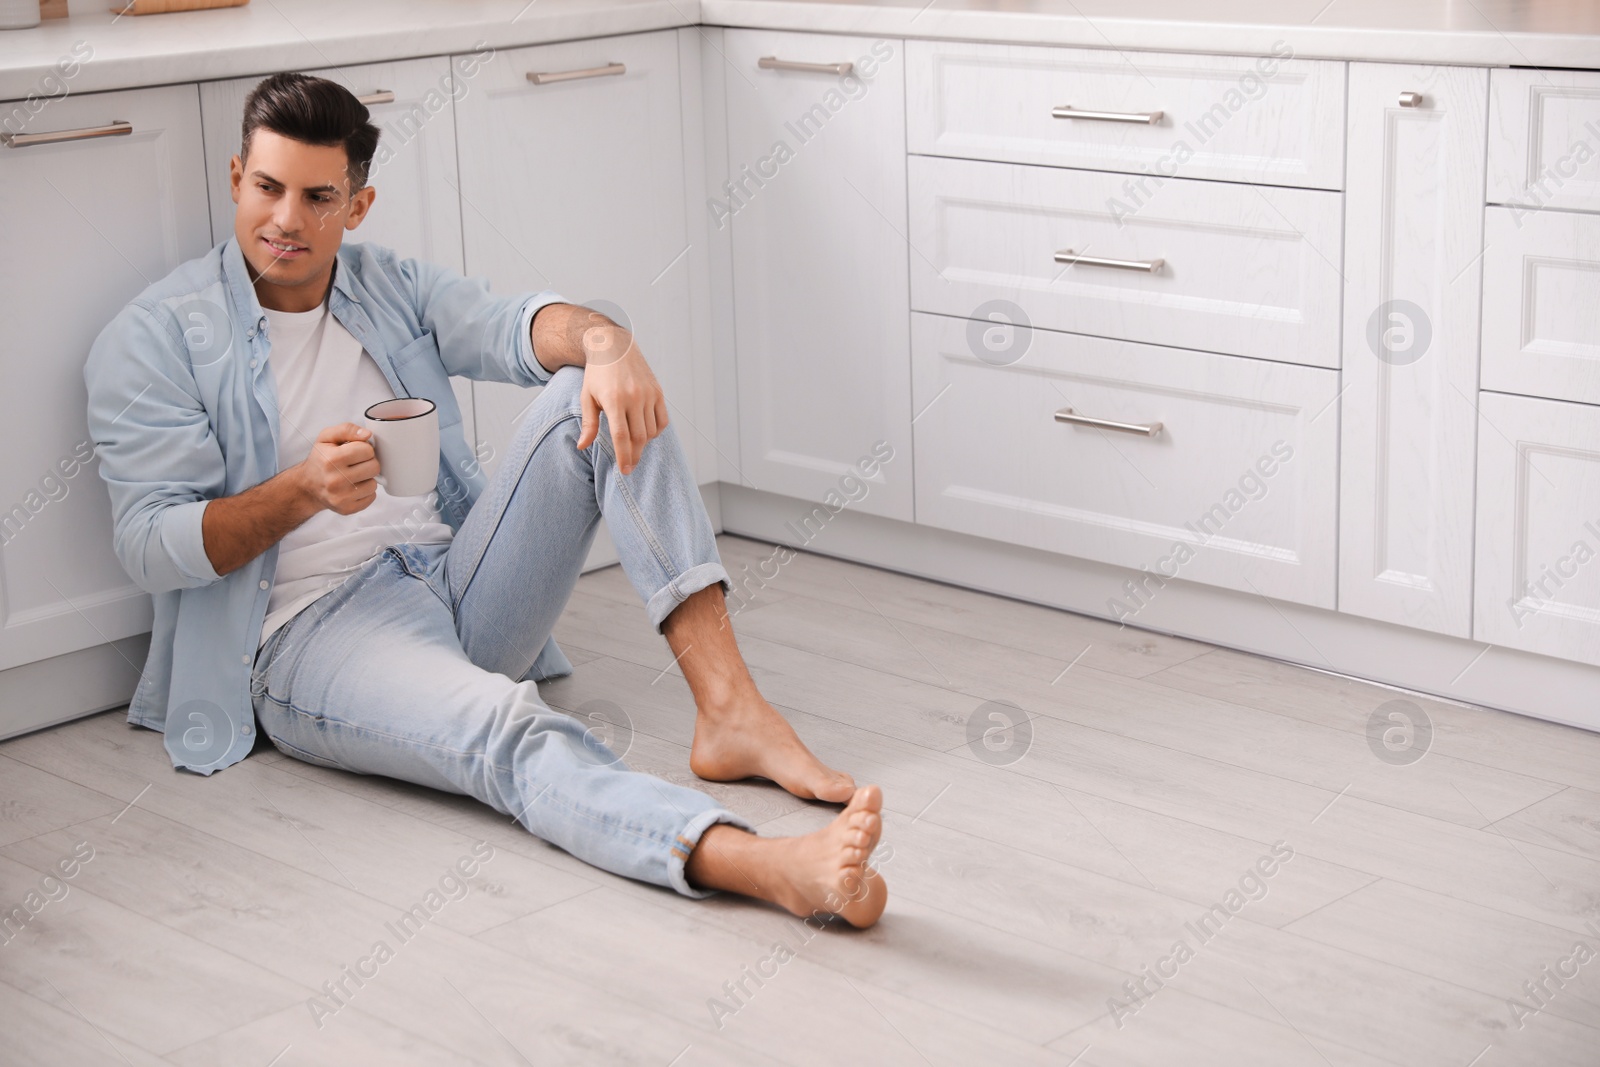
1544, 139
1541, 303
815, 196
573, 180
1538, 551
1387, 268
1215, 266
1412, 266
1186, 465
417, 211
90, 221
1268, 119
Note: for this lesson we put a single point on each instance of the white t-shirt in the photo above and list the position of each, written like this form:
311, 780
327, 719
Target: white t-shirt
324, 377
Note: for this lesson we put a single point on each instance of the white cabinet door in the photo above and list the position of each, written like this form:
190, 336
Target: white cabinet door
1232, 485
1544, 139
1413, 246
577, 185
1541, 303
1539, 527
816, 198
89, 223
417, 211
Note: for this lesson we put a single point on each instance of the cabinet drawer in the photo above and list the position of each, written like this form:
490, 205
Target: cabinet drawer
1244, 270
1266, 119
1541, 304
1544, 139
1237, 488
1538, 554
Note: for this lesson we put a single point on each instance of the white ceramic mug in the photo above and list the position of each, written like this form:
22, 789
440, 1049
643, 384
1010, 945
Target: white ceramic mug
405, 435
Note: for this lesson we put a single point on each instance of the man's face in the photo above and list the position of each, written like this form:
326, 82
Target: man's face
294, 205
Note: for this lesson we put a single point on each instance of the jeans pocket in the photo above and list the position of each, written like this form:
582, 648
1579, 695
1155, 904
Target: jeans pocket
295, 725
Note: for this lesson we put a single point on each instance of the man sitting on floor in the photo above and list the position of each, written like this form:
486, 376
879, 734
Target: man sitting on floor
404, 637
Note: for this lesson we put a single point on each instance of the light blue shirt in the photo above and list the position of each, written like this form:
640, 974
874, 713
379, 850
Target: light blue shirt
183, 411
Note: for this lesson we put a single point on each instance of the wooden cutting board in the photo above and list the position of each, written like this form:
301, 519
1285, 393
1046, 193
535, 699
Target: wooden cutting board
162, 7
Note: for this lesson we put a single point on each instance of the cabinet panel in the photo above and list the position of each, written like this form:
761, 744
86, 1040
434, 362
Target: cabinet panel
1541, 311
577, 185
417, 211
1229, 268
1235, 488
1413, 246
99, 219
1538, 556
1544, 139
1266, 119
816, 199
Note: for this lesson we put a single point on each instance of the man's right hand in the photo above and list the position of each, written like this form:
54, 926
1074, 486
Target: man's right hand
340, 471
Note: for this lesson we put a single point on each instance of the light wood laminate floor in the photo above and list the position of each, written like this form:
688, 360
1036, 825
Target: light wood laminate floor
1034, 872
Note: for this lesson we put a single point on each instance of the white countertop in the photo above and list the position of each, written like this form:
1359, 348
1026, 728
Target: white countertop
271, 35
265, 36
1503, 33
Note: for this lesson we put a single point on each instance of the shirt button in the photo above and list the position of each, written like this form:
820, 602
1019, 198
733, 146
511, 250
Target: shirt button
244, 659
252, 363
265, 583
245, 729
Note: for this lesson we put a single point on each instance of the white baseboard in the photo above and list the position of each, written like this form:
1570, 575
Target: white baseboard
54, 690
1452, 668
90, 680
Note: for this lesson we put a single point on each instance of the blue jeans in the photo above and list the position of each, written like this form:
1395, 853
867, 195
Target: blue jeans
407, 668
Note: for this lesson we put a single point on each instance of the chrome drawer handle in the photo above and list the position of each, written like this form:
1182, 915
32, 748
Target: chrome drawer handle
1149, 266
545, 78
1410, 99
1067, 111
1144, 430
774, 63
116, 128
379, 96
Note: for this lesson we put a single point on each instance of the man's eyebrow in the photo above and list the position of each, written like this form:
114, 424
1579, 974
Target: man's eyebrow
315, 189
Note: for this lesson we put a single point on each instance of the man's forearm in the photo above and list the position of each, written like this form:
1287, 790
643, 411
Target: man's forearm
236, 529
557, 334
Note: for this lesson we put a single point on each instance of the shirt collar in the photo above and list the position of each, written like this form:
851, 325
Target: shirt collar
236, 274
237, 278
341, 278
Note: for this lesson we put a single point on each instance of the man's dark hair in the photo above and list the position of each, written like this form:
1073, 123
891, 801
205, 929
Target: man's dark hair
314, 111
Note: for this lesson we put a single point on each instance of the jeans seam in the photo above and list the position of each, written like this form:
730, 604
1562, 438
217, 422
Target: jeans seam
587, 813
582, 810
649, 535
539, 439
315, 613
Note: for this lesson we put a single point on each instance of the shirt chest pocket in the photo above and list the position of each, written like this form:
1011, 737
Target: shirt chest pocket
422, 374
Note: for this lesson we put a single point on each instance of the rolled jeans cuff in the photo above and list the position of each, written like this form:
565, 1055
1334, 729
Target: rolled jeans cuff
681, 588
688, 838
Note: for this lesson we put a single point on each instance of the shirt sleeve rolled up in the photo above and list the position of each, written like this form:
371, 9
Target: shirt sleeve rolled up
481, 336
159, 457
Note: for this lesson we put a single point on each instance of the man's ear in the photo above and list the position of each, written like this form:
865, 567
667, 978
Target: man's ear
360, 204
235, 176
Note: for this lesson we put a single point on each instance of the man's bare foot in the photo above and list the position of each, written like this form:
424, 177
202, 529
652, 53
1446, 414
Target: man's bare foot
737, 734
752, 740
825, 871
